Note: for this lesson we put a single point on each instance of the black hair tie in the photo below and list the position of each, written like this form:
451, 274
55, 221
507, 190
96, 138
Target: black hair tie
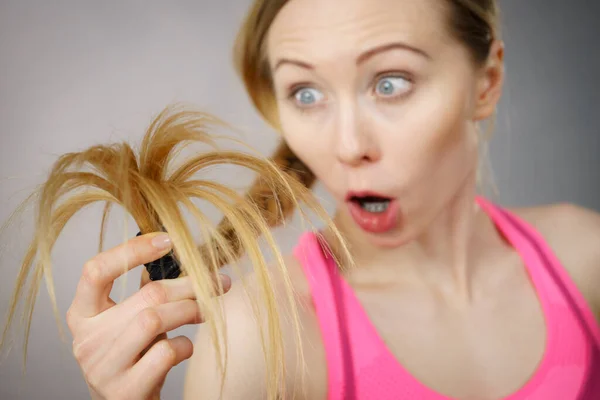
166, 267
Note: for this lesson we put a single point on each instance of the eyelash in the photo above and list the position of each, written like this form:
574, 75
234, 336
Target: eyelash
293, 91
391, 74
295, 88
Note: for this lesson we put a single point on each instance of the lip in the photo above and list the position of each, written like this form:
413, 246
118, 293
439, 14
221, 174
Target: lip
365, 193
376, 223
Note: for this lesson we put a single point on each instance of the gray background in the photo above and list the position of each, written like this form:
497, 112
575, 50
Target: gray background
78, 73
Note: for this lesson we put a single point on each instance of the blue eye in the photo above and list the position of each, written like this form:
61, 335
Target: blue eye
390, 86
307, 96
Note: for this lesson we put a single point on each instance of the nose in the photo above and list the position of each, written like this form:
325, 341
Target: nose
355, 145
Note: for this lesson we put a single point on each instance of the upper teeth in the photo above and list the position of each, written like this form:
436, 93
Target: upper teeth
376, 207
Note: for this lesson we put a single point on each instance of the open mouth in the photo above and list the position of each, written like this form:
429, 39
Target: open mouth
373, 212
372, 204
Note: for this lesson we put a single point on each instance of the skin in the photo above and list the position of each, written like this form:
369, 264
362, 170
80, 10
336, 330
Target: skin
122, 349
444, 267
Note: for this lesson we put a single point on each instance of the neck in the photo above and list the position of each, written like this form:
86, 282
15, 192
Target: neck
441, 256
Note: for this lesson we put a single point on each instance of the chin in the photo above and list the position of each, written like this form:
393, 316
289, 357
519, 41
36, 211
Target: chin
390, 240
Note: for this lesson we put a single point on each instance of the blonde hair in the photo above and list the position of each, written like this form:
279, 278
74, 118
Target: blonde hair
152, 190
141, 185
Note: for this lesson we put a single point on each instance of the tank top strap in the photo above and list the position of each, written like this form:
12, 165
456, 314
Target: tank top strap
359, 365
329, 301
530, 243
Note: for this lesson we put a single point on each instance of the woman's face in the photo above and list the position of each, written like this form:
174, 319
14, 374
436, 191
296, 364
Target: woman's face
380, 102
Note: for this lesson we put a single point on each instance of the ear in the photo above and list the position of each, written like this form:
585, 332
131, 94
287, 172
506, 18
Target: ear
491, 81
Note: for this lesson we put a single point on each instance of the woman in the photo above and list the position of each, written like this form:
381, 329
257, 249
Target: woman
452, 296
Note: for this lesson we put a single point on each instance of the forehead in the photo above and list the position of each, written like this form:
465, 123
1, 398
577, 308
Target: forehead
321, 29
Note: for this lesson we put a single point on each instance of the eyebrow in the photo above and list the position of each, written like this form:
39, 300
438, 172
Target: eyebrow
290, 61
387, 47
361, 58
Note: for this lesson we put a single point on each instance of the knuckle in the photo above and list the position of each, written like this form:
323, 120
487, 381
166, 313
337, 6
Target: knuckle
81, 351
71, 320
149, 321
101, 380
94, 382
166, 352
91, 379
92, 271
77, 354
154, 294
135, 250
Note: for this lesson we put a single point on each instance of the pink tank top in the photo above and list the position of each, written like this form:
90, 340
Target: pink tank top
361, 367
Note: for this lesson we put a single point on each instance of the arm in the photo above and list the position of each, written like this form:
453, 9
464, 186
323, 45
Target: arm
582, 235
245, 374
573, 233
246, 366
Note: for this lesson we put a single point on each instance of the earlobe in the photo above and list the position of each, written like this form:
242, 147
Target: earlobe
490, 84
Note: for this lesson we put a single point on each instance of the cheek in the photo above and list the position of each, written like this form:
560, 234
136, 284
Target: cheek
305, 137
449, 134
429, 135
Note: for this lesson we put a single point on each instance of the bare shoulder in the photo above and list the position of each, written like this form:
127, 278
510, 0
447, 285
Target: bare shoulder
245, 338
573, 233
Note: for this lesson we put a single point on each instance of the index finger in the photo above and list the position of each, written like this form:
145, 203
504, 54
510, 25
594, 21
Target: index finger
100, 272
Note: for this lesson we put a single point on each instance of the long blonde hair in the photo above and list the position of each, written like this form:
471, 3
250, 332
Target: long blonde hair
153, 190
142, 186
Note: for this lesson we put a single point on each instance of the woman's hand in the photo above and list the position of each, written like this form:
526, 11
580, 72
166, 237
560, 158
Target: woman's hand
122, 349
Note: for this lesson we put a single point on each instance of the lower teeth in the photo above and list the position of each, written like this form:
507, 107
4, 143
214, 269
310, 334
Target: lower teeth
377, 207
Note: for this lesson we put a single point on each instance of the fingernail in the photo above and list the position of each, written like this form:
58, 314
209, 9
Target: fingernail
161, 242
